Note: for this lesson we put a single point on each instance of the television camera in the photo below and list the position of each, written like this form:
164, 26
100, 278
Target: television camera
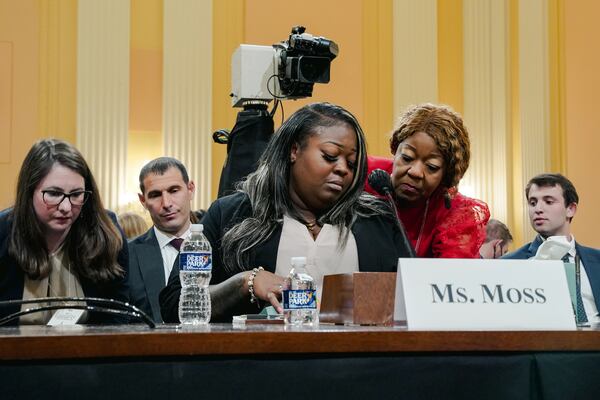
287, 70
259, 74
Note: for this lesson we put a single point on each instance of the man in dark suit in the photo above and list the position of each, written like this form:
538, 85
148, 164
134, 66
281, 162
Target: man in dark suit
552, 201
166, 192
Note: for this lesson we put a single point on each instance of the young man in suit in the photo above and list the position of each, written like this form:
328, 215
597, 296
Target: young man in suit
166, 192
552, 202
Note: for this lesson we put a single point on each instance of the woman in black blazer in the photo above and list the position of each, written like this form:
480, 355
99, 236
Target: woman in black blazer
311, 177
58, 240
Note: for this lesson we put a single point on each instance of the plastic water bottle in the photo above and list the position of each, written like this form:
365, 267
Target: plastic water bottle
300, 295
195, 266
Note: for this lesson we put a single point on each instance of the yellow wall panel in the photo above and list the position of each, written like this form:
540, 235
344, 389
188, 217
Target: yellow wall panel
145, 95
228, 34
145, 140
556, 50
58, 69
450, 54
147, 24
19, 26
377, 60
141, 148
517, 202
582, 85
6, 77
340, 21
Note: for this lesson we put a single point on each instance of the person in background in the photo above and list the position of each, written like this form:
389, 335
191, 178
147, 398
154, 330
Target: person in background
552, 202
166, 191
58, 240
305, 199
199, 214
133, 224
497, 240
431, 151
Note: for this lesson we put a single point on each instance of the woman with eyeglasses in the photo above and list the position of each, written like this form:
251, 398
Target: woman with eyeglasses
58, 240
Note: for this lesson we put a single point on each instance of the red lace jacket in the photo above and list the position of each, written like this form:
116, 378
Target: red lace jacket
436, 231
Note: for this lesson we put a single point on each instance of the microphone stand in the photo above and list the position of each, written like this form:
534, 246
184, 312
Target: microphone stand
403, 237
381, 182
106, 306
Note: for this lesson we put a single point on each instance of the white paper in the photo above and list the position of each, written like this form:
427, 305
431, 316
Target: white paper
67, 316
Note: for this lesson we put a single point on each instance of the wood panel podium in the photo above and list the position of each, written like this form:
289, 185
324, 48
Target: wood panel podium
261, 361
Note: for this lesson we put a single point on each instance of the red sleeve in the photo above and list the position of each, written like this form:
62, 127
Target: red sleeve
462, 232
374, 163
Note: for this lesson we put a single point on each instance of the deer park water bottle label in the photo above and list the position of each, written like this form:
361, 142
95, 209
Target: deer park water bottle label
195, 261
299, 299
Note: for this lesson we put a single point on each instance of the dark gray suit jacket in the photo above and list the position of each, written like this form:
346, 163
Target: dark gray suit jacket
146, 273
589, 257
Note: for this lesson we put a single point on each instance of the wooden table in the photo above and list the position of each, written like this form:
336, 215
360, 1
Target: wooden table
253, 361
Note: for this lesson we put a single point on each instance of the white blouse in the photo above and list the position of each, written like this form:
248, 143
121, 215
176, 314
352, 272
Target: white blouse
60, 282
323, 254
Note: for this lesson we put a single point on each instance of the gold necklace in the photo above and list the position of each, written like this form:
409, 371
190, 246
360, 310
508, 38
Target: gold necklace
311, 225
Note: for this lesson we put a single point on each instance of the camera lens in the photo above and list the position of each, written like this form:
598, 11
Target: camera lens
314, 69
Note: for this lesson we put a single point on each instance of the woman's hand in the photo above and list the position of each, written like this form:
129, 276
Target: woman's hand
268, 287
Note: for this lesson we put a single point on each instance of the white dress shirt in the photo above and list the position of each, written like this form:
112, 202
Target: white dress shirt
168, 252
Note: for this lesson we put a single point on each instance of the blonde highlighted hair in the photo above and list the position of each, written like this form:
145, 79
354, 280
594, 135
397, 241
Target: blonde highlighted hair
133, 224
446, 128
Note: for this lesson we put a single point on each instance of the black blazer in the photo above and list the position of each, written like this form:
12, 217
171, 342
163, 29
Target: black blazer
590, 259
12, 277
378, 242
146, 273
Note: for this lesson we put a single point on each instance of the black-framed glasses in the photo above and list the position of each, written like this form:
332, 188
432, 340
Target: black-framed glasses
55, 197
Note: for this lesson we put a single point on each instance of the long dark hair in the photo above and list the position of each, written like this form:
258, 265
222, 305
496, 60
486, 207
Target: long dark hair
93, 241
268, 186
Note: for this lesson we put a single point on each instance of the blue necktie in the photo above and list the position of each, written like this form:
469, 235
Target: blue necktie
580, 314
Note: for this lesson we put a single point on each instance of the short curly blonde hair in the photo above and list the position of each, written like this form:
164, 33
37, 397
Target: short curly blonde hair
446, 128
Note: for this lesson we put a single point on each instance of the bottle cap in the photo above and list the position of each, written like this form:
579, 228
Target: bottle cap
298, 261
197, 228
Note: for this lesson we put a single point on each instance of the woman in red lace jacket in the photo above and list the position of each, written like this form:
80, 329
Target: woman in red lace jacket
431, 151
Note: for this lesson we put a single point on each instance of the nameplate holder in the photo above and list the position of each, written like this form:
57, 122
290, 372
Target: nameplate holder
362, 298
476, 294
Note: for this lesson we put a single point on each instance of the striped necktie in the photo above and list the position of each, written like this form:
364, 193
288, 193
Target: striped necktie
580, 314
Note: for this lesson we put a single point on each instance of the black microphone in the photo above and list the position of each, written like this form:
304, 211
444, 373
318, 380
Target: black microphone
106, 306
381, 182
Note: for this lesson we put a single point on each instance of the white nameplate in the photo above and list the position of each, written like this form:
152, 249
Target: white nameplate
459, 294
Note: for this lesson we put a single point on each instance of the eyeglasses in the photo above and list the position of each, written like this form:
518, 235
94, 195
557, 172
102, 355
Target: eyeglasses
54, 197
